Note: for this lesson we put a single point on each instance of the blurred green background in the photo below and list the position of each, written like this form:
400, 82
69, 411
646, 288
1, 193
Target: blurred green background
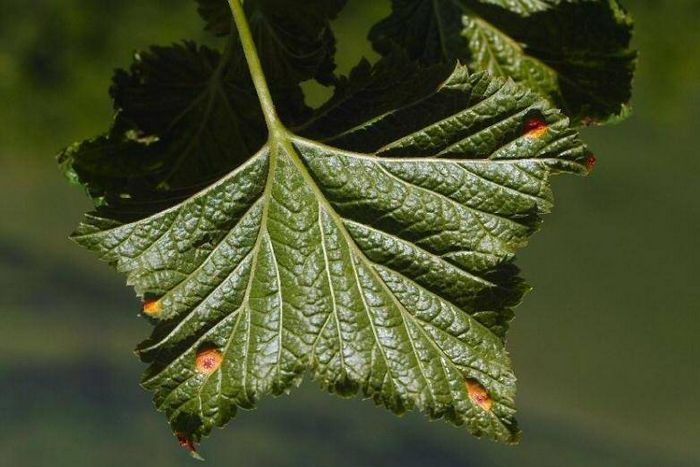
606, 347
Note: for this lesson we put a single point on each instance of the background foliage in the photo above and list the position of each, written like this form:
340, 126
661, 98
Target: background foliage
605, 347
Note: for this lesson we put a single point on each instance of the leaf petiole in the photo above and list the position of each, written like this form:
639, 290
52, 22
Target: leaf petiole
273, 122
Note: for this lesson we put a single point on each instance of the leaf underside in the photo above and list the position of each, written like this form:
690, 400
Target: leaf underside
372, 248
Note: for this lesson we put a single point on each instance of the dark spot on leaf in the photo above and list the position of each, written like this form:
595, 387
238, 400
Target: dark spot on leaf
591, 162
588, 121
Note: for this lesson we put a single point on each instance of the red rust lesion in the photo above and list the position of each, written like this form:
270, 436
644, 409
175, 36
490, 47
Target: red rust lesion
152, 307
208, 360
535, 128
590, 162
187, 444
478, 394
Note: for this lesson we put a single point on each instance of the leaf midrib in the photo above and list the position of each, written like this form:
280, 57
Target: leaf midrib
285, 139
280, 140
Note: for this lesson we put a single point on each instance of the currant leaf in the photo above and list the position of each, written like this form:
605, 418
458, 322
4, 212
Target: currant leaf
374, 252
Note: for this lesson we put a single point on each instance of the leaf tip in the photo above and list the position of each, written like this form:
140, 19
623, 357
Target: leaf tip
590, 162
188, 444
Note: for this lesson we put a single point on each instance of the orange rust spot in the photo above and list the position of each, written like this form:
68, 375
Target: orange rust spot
590, 162
152, 307
208, 361
188, 444
534, 128
478, 394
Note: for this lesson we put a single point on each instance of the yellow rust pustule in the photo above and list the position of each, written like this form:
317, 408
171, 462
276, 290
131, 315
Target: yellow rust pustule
208, 361
152, 307
478, 394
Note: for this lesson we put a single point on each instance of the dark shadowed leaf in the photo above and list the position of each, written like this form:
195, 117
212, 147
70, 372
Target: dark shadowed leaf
294, 38
575, 52
185, 117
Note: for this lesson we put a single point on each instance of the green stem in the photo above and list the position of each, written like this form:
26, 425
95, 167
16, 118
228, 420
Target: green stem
274, 125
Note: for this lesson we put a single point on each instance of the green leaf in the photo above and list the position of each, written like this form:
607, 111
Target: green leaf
294, 38
375, 252
575, 52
